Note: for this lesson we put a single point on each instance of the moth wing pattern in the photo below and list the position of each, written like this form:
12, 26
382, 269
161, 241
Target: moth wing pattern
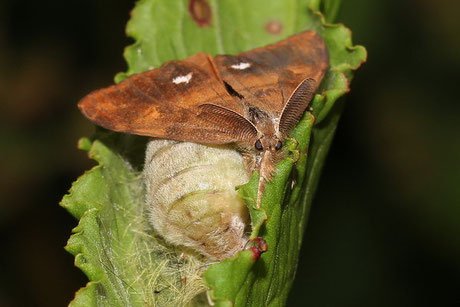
165, 102
266, 77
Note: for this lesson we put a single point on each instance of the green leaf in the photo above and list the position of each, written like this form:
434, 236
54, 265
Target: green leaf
113, 243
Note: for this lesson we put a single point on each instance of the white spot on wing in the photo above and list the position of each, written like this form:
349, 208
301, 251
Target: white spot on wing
241, 66
183, 79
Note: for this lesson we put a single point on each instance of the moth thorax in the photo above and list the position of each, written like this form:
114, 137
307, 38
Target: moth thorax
191, 198
264, 122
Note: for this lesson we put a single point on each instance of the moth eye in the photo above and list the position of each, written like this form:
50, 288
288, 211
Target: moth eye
278, 145
258, 145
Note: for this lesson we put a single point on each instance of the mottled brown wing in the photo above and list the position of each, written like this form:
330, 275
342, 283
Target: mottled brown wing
165, 102
266, 77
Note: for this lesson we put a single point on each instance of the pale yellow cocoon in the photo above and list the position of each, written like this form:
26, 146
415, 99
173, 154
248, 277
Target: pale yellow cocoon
191, 198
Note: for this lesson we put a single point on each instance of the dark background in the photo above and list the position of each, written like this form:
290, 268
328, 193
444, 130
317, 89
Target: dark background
384, 229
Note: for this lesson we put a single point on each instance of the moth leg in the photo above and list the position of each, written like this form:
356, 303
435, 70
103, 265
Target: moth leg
249, 161
292, 148
208, 297
260, 190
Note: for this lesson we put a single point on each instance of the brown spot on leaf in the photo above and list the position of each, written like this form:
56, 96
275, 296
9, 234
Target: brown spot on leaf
274, 27
201, 12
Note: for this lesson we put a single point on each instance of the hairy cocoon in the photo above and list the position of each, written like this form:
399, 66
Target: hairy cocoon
191, 196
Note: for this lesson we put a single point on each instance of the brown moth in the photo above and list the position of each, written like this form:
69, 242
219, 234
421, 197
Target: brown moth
252, 99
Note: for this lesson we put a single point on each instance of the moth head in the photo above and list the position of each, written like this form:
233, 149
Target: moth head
270, 143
